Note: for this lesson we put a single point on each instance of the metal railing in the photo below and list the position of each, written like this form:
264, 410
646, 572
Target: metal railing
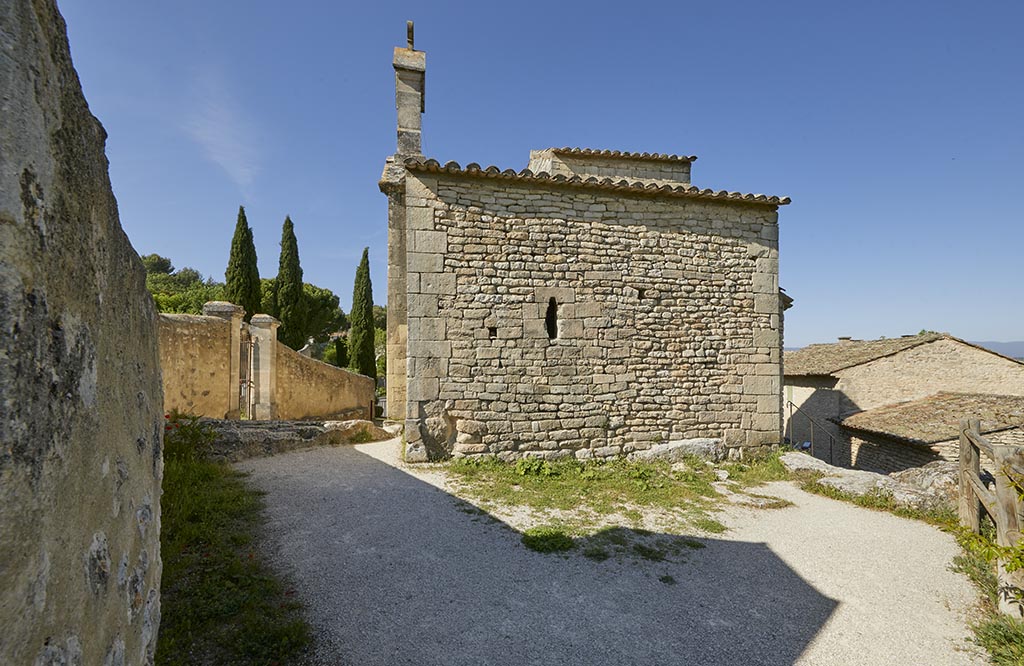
795, 409
1002, 502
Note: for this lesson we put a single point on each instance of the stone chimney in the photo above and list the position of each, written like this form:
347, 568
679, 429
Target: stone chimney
410, 79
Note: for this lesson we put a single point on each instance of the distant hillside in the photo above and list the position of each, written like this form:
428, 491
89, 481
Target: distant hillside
1014, 349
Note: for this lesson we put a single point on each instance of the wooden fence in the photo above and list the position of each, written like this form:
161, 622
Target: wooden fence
1002, 502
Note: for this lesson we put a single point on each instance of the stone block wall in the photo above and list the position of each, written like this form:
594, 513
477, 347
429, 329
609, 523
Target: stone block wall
204, 357
308, 388
81, 421
195, 356
663, 315
885, 456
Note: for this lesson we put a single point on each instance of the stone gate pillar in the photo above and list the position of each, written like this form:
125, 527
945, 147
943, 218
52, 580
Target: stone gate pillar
263, 329
234, 314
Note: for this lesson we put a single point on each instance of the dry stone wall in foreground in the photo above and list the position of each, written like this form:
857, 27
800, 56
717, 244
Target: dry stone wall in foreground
80, 397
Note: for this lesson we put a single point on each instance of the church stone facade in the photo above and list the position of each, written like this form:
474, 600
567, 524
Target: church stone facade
591, 305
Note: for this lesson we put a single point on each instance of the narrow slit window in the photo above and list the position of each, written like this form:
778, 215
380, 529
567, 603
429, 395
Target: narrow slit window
492, 332
551, 319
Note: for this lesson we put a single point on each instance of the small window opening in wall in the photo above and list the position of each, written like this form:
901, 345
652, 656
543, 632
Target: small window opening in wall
492, 332
551, 319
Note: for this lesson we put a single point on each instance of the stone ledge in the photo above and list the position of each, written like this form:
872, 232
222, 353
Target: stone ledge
239, 440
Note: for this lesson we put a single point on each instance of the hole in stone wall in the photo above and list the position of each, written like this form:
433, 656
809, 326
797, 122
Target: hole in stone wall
492, 332
640, 293
551, 319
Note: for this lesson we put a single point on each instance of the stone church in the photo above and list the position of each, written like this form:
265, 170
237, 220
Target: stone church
591, 305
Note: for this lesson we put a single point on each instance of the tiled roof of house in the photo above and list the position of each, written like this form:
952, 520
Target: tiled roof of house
689, 191
623, 155
827, 358
937, 417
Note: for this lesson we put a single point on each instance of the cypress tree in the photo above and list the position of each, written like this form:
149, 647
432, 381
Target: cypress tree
341, 352
290, 296
242, 275
360, 336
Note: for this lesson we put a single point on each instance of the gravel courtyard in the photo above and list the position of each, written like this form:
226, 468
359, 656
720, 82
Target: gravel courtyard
394, 570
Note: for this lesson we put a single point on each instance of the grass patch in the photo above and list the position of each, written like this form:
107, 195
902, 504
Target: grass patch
361, 437
220, 603
547, 539
668, 580
587, 498
648, 553
942, 517
709, 525
591, 493
756, 472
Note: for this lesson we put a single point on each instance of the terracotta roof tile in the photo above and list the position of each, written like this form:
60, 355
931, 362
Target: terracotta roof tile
937, 417
687, 191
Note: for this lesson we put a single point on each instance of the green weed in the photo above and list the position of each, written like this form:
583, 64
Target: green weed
220, 602
547, 539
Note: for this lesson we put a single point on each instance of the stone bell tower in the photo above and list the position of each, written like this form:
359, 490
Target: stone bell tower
410, 79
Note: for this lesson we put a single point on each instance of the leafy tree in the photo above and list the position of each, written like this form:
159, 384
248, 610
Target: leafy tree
291, 306
154, 263
380, 349
323, 316
338, 352
243, 276
268, 297
380, 316
360, 336
184, 291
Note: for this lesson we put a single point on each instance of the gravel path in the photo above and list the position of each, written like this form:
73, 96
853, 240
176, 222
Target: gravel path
393, 572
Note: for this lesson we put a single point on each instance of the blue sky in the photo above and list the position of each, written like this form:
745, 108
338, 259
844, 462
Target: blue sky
895, 127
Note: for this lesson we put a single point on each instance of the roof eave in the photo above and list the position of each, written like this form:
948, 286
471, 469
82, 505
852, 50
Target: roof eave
624, 186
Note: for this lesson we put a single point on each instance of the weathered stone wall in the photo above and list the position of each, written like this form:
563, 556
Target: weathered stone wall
81, 421
667, 319
195, 355
308, 388
943, 365
885, 456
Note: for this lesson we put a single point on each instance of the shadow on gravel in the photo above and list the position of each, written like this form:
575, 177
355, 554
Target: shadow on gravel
395, 571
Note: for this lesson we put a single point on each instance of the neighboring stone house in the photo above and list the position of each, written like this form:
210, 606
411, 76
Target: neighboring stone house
911, 434
827, 383
592, 304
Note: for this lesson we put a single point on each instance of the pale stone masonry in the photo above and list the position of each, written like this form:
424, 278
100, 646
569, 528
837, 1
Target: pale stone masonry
81, 420
211, 362
591, 305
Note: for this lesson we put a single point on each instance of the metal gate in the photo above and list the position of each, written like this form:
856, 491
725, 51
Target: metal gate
246, 372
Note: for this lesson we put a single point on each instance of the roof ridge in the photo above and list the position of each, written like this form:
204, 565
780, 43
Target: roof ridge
620, 185
622, 154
